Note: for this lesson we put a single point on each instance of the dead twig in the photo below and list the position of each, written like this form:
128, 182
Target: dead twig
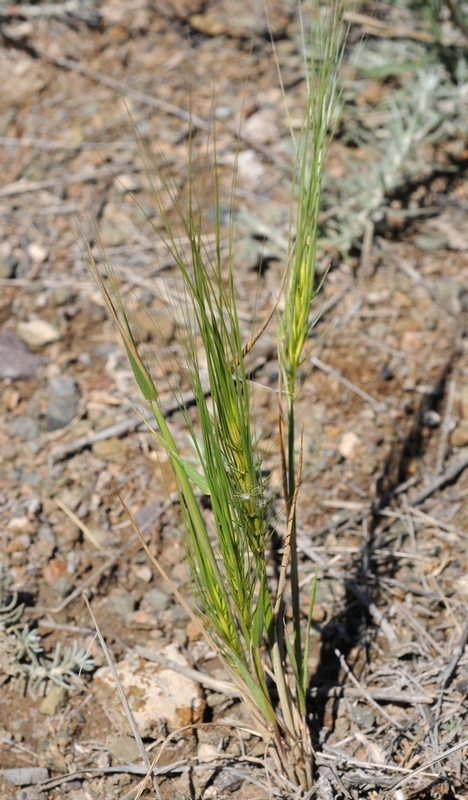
452, 472
387, 795
132, 423
124, 701
366, 696
449, 670
23, 187
445, 427
223, 687
111, 560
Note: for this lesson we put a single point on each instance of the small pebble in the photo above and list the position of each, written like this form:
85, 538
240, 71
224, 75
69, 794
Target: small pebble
16, 362
363, 716
144, 573
120, 603
54, 700
127, 182
459, 437
26, 776
37, 252
62, 402
431, 242
156, 600
38, 332
110, 235
348, 444
62, 586
124, 748
63, 294
386, 373
23, 427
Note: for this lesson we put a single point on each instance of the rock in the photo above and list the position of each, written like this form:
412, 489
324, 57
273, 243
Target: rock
459, 437
21, 525
144, 573
348, 443
63, 294
156, 600
110, 235
127, 182
207, 752
113, 449
155, 694
120, 603
38, 332
8, 267
16, 361
62, 402
50, 756
54, 700
23, 427
431, 242
461, 399
54, 570
363, 716
124, 748
62, 586
37, 252
158, 323
26, 776
7, 261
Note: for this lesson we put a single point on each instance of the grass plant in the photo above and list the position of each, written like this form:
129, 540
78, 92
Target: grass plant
241, 613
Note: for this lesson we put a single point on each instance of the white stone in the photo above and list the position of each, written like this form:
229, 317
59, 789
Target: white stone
127, 182
348, 444
37, 252
154, 694
38, 332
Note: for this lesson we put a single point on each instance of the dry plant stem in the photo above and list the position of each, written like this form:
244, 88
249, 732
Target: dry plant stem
128, 711
365, 694
452, 472
388, 794
449, 671
205, 680
445, 427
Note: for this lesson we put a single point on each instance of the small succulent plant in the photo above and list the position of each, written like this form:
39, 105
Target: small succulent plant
22, 654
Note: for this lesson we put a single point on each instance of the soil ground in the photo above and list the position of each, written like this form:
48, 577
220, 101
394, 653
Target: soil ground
384, 401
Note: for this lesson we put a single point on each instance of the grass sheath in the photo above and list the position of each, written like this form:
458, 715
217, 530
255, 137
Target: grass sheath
241, 613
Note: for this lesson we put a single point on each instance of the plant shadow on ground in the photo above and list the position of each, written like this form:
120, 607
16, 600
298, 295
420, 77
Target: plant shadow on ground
352, 626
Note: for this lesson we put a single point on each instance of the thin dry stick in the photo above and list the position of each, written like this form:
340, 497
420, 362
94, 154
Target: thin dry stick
62, 144
110, 561
132, 423
223, 687
365, 694
80, 524
384, 696
445, 427
445, 680
452, 472
449, 670
424, 767
23, 187
420, 629
123, 699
